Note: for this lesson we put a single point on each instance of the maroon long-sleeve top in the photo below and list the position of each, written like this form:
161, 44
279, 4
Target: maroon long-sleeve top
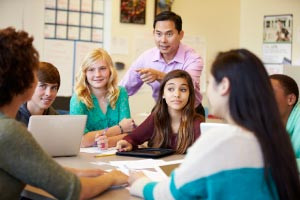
145, 131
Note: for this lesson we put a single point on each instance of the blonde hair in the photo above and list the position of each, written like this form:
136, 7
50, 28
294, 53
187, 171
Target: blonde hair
82, 86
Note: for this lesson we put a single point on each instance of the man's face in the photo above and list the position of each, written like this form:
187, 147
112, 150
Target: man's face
44, 95
167, 38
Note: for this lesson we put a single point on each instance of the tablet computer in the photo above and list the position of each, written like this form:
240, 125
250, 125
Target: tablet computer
147, 152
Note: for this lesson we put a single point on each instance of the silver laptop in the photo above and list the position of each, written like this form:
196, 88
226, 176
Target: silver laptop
204, 127
58, 135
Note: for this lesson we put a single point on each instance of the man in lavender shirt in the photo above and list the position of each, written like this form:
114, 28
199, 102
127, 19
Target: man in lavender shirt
169, 54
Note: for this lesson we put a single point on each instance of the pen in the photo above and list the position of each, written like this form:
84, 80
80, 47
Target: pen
104, 155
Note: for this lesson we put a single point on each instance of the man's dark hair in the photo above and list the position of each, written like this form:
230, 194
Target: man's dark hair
18, 61
169, 16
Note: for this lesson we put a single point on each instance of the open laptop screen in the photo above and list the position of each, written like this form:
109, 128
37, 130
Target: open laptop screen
58, 135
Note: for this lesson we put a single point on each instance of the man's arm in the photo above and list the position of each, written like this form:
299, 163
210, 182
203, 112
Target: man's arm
131, 81
148, 75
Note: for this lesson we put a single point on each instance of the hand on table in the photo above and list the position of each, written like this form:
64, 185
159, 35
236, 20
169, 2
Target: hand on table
135, 175
123, 145
118, 178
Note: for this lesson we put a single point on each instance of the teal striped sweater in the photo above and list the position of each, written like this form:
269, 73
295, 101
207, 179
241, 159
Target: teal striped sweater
224, 163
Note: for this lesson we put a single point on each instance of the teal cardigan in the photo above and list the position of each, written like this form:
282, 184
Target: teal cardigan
97, 120
293, 128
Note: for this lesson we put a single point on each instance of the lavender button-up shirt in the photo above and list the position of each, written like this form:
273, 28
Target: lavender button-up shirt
185, 59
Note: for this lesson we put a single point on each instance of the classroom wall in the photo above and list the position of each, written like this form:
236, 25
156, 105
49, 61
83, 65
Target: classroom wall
27, 15
220, 25
252, 15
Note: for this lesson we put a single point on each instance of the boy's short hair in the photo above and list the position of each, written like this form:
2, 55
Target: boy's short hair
48, 73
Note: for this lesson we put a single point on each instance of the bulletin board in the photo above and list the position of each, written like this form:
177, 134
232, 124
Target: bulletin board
71, 29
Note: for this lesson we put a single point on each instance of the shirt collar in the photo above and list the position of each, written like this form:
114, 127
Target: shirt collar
179, 57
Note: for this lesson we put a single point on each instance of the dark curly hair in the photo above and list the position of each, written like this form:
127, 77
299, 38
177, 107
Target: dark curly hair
18, 60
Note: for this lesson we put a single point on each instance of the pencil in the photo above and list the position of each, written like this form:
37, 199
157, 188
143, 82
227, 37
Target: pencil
104, 155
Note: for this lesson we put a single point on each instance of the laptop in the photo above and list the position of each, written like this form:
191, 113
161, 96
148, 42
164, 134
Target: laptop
58, 135
204, 127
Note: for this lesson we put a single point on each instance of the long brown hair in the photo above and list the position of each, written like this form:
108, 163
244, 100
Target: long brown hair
162, 120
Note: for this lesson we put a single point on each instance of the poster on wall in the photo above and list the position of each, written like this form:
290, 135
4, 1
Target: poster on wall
162, 5
133, 11
277, 39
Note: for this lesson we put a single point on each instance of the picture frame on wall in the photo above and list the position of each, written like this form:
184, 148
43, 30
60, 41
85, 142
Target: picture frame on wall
133, 11
162, 5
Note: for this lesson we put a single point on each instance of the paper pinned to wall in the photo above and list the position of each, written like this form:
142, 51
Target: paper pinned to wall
60, 54
74, 5
99, 5
143, 43
274, 68
119, 45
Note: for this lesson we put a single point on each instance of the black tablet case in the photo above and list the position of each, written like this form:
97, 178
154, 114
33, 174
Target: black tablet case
147, 152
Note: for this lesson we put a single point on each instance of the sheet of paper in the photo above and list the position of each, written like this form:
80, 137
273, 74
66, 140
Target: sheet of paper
49, 16
86, 5
137, 164
98, 6
61, 32
85, 34
119, 45
86, 19
98, 151
73, 18
73, 33
49, 31
62, 17
154, 175
74, 5
62, 4
97, 20
99, 163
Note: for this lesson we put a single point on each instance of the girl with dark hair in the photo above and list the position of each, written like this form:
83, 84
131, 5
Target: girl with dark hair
251, 158
173, 122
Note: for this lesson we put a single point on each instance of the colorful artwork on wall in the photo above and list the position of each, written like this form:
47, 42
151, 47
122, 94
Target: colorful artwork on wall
133, 11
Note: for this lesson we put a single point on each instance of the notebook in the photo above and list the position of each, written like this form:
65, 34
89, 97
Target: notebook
204, 127
58, 135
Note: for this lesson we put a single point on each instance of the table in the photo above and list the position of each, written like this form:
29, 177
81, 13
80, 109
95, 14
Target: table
83, 161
